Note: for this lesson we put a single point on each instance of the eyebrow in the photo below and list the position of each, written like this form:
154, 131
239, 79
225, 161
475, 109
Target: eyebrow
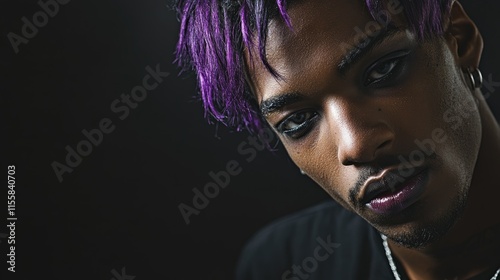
277, 103
355, 54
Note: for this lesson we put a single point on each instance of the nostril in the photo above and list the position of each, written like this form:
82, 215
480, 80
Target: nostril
348, 162
362, 155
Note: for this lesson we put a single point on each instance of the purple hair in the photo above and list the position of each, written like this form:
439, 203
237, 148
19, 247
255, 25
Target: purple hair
214, 33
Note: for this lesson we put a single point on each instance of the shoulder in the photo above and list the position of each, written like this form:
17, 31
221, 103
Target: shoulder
314, 220
326, 218
322, 236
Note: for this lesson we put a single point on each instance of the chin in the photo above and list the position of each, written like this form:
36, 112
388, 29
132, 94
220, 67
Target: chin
422, 234
420, 237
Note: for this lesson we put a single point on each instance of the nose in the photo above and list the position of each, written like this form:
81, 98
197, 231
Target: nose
363, 134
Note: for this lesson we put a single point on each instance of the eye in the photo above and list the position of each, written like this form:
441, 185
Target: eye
386, 69
297, 124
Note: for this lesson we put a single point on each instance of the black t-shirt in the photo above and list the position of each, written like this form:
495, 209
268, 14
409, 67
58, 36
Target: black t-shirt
323, 242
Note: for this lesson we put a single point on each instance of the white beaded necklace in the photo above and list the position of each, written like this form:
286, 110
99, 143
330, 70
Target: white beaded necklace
393, 265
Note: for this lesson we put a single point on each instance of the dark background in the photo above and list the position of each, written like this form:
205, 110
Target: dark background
118, 209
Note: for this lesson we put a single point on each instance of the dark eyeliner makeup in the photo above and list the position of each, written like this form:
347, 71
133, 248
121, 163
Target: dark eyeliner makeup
301, 128
397, 61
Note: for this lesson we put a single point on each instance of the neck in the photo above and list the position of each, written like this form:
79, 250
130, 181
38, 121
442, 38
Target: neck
472, 246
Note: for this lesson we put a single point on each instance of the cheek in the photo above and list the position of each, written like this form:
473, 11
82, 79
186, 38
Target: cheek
460, 116
435, 106
319, 160
453, 121
462, 132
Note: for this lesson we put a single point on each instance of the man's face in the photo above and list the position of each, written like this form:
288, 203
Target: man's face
382, 122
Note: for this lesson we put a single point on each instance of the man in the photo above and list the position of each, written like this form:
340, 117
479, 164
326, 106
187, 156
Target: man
380, 103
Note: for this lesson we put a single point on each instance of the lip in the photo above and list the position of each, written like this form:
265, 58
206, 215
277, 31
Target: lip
389, 192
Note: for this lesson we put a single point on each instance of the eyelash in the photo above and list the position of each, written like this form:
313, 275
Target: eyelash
301, 129
398, 59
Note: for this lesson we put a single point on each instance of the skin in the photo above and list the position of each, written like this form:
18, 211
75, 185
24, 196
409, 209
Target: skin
354, 129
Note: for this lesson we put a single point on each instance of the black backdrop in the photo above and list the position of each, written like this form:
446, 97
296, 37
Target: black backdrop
116, 213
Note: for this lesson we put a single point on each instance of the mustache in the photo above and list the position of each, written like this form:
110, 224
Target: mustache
405, 169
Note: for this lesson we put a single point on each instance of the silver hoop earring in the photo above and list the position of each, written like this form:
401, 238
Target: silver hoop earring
476, 78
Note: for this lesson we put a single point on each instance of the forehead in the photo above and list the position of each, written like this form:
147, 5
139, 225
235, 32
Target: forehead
316, 18
319, 27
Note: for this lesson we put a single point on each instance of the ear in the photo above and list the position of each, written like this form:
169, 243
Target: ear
464, 38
